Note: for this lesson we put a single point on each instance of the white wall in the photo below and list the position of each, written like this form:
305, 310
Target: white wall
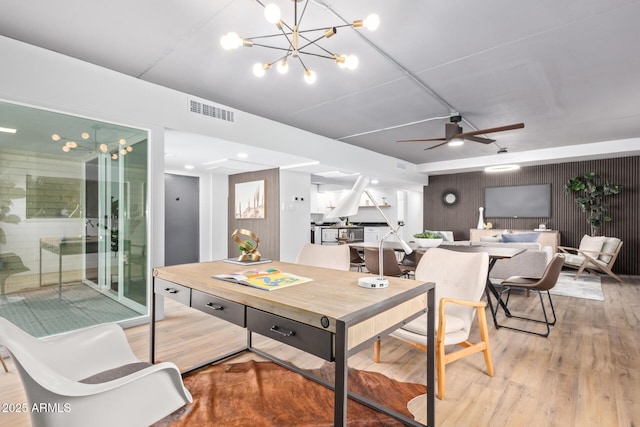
45, 79
295, 202
413, 221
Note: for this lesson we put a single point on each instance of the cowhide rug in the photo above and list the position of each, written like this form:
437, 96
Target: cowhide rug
266, 394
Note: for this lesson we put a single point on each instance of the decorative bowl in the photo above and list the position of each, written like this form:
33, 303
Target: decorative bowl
428, 243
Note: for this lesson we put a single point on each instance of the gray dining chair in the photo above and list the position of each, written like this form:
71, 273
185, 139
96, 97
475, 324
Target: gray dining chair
390, 264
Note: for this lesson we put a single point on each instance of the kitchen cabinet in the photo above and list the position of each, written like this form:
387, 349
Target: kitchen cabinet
330, 234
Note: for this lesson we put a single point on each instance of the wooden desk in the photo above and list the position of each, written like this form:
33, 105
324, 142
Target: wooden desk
330, 317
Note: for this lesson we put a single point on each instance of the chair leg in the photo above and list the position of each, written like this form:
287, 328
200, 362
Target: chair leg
546, 321
376, 351
440, 366
4, 365
484, 337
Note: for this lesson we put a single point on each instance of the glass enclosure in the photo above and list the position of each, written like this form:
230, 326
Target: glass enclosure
73, 220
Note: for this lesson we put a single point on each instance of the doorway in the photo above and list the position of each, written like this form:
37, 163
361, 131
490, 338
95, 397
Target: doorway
182, 219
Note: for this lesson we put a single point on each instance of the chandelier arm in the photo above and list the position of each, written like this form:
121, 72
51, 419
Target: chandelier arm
302, 63
267, 36
313, 42
272, 47
325, 29
318, 55
304, 9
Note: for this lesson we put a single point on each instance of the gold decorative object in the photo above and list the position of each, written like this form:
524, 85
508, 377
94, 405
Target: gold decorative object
248, 248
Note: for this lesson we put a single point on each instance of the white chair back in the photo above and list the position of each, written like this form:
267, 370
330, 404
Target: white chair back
460, 275
337, 257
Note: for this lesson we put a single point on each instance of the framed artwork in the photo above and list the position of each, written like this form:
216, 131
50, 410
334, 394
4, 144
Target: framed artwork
250, 200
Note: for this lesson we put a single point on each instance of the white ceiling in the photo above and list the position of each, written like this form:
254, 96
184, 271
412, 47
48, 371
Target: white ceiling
569, 70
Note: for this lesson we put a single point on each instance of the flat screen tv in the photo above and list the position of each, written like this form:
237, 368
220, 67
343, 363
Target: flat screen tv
518, 201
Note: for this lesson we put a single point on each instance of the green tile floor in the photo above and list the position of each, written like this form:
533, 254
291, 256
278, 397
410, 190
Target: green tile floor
43, 313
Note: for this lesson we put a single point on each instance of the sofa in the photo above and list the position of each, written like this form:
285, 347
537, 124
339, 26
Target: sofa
531, 263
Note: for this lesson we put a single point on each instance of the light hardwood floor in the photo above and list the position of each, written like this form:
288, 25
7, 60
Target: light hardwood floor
587, 373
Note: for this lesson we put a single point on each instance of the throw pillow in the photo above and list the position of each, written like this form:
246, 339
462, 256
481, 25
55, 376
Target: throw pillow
520, 237
610, 245
591, 245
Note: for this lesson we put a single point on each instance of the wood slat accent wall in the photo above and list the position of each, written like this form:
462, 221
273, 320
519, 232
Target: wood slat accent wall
565, 214
268, 229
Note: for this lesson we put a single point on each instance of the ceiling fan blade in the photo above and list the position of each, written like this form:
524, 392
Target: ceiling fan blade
479, 139
422, 140
436, 146
491, 130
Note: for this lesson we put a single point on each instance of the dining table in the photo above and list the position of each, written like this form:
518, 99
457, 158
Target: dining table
495, 253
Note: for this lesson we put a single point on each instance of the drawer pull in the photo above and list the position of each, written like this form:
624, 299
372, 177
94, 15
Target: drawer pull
213, 306
283, 333
171, 290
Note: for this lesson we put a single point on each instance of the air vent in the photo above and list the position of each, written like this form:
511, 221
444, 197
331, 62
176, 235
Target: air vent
211, 111
401, 165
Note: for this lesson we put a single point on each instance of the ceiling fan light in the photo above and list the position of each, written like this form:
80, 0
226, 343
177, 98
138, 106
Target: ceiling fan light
501, 168
272, 13
456, 142
309, 76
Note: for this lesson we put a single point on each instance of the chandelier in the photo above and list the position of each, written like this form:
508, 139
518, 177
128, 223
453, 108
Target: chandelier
299, 43
89, 143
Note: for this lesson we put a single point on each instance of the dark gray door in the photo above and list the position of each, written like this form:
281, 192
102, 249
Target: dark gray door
182, 218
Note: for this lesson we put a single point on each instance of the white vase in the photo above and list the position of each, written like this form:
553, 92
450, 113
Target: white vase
481, 219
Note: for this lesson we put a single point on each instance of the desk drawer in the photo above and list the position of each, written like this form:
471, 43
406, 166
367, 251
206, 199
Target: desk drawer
180, 293
224, 309
307, 338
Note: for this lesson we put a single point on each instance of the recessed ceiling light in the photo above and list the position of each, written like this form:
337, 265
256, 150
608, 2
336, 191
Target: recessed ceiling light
188, 166
501, 168
300, 165
8, 130
169, 154
374, 181
243, 155
213, 162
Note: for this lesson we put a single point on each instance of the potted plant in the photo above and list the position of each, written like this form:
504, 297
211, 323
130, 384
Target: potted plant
428, 239
591, 197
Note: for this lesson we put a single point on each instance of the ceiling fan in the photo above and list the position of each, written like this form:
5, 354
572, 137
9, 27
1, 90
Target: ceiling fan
453, 134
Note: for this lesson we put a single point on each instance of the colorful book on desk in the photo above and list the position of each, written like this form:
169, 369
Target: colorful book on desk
268, 280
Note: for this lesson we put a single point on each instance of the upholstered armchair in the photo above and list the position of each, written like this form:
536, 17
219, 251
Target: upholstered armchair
90, 377
460, 279
595, 254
